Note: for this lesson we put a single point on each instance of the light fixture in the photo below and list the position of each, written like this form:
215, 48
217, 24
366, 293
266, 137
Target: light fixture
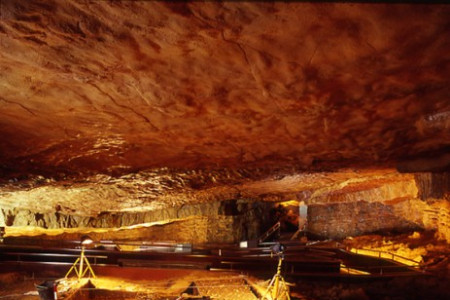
78, 265
86, 240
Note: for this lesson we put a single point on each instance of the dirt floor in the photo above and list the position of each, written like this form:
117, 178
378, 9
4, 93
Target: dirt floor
220, 286
234, 286
17, 286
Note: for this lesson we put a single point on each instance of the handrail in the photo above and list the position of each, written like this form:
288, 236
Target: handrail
383, 271
20, 255
369, 267
381, 254
387, 255
269, 232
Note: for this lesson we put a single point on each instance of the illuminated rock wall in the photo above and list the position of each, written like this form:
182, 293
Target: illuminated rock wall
382, 208
227, 221
437, 216
371, 190
381, 203
433, 185
434, 189
340, 220
23, 217
195, 229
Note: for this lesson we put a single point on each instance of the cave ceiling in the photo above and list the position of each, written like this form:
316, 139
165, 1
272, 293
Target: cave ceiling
102, 89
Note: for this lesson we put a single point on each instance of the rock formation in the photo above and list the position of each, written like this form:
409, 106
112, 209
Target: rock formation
120, 113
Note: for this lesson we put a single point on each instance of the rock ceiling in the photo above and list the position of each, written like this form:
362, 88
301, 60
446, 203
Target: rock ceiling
113, 88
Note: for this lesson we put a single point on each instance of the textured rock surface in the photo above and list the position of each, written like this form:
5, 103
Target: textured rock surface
433, 185
218, 229
119, 113
163, 190
376, 206
339, 204
356, 218
249, 218
437, 217
119, 86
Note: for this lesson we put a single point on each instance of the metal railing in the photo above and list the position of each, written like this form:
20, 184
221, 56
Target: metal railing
376, 270
47, 257
386, 255
269, 232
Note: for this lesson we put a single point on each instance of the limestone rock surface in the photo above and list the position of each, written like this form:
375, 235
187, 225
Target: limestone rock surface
120, 86
118, 113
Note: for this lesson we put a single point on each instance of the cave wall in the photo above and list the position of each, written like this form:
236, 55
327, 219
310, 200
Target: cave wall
434, 189
227, 221
196, 229
213, 229
422, 203
437, 217
224, 85
350, 208
373, 190
433, 185
340, 220
2, 219
251, 214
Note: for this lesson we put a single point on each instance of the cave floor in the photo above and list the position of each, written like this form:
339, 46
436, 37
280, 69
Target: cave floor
171, 284
168, 283
234, 286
